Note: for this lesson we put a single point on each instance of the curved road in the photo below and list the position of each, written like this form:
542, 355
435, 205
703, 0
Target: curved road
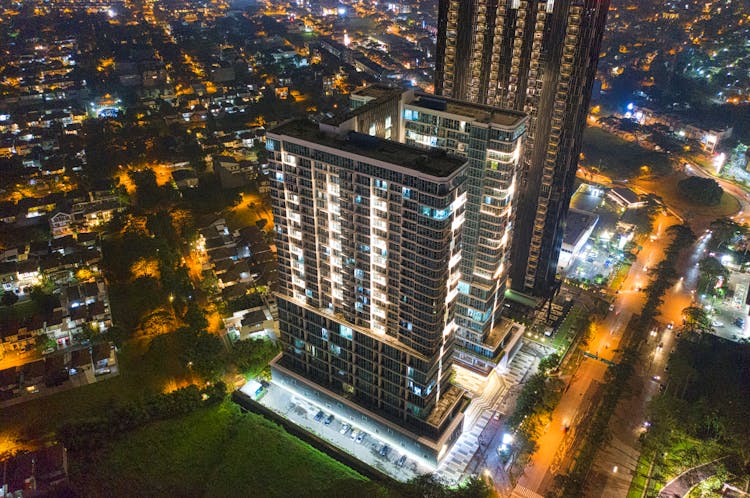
739, 193
681, 485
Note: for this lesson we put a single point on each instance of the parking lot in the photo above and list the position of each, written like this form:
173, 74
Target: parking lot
595, 260
363, 440
729, 316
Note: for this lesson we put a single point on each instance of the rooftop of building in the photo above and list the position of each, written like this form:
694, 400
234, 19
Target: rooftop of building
445, 405
500, 331
576, 224
377, 91
626, 194
478, 112
429, 162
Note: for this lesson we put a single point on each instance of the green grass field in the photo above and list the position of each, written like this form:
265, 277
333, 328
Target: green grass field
619, 158
667, 188
641, 478
216, 451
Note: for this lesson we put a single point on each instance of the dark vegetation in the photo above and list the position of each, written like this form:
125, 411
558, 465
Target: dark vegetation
620, 158
694, 421
703, 191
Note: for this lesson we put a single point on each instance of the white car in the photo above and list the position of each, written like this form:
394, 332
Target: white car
345, 428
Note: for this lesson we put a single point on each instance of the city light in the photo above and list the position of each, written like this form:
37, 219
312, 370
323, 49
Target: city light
719, 160
374, 236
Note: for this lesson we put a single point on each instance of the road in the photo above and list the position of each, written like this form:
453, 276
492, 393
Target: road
550, 459
616, 463
739, 193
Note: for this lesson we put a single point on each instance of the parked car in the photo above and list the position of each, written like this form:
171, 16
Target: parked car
328, 419
401, 461
345, 428
319, 416
354, 434
385, 450
360, 437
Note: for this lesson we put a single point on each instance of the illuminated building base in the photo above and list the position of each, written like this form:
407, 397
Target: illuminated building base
426, 451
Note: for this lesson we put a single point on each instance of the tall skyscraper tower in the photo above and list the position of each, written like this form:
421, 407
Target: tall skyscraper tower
539, 57
369, 245
393, 225
491, 140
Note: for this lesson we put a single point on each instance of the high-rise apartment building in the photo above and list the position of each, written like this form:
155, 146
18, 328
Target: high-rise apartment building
491, 141
539, 57
369, 245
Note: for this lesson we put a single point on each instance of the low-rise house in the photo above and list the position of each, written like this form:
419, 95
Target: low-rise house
16, 336
32, 373
185, 178
35, 473
9, 383
61, 224
625, 198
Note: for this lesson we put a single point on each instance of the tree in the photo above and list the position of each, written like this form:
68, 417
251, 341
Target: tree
724, 231
711, 270
44, 342
202, 352
252, 355
696, 320
549, 363
430, 486
704, 191
46, 302
8, 298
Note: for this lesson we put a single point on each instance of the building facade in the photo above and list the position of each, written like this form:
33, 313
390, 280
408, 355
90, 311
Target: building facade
539, 57
369, 245
490, 140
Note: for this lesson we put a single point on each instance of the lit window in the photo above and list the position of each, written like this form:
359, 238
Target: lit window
346, 332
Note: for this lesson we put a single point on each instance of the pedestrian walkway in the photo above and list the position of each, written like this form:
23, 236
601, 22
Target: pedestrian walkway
522, 492
480, 412
520, 366
453, 467
683, 483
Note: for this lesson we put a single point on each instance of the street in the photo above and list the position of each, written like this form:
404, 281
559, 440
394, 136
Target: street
549, 459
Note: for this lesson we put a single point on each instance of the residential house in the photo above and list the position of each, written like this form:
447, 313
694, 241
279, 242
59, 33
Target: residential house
35, 473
